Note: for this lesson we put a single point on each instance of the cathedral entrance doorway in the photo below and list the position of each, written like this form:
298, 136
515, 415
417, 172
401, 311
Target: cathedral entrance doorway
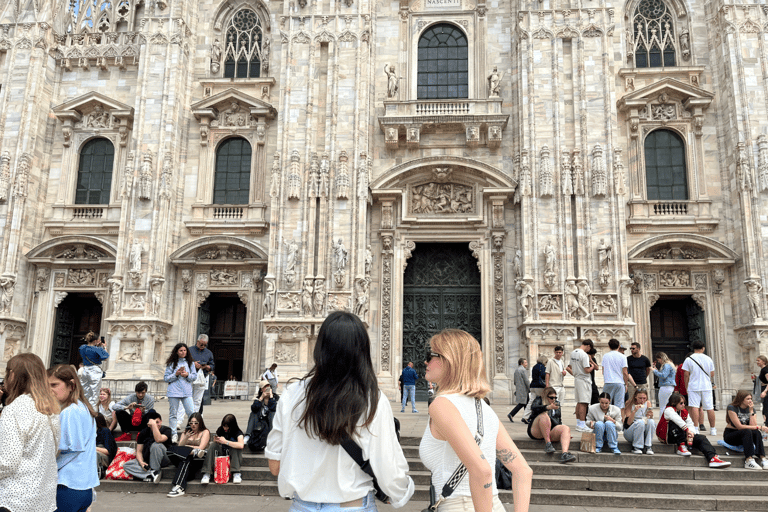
441, 290
77, 314
676, 322
222, 318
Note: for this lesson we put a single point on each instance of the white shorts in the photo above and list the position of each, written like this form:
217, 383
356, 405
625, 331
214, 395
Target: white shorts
700, 398
583, 391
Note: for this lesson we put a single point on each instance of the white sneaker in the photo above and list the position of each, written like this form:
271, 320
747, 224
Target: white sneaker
206, 479
751, 464
237, 478
649, 451
246, 439
583, 429
175, 438
637, 452
713, 431
765, 463
176, 492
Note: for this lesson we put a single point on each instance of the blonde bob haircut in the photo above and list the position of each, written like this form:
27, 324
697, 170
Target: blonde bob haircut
463, 366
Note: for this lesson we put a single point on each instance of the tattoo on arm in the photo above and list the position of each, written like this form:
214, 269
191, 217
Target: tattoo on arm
487, 485
505, 456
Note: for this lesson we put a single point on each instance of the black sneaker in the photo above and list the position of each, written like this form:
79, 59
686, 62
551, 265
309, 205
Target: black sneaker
567, 457
525, 421
549, 448
509, 415
156, 476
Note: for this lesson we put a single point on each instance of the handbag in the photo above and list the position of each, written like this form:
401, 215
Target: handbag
136, 418
503, 476
459, 472
221, 475
587, 444
201, 381
116, 470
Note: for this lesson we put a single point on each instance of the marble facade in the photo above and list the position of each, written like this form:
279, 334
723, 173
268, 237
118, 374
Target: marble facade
539, 171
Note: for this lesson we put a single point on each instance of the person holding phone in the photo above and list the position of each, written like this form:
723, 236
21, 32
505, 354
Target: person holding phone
180, 373
152, 446
639, 424
228, 440
93, 354
547, 424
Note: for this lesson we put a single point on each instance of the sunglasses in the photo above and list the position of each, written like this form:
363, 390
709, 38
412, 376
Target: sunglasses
552, 397
431, 356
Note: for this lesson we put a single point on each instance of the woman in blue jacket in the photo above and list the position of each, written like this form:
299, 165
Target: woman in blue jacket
666, 376
92, 353
180, 373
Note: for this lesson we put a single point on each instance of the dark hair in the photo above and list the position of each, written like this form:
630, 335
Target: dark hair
199, 417
674, 399
697, 345
613, 344
634, 344
588, 342
604, 395
592, 351
230, 422
101, 422
141, 386
342, 386
559, 347
521, 361
173, 359
153, 415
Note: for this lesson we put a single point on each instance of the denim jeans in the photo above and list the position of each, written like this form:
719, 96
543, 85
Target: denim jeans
605, 432
173, 413
299, 505
616, 390
409, 391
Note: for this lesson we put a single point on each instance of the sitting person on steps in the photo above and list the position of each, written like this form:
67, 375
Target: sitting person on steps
605, 419
227, 441
189, 454
106, 447
639, 425
152, 446
260, 420
546, 424
742, 430
126, 408
675, 427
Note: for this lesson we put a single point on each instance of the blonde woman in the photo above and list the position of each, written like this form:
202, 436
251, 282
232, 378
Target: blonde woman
30, 432
455, 365
639, 425
666, 375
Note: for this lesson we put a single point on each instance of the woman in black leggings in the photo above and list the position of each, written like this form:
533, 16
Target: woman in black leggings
189, 455
742, 430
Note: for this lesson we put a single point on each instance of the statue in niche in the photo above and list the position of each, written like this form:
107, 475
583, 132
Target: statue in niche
98, 118
325, 176
584, 297
525, 297
265, 51
135, 256
269, 298
604, 257
392, 80
318, 298
290, 259
494, 83
368, 260
517, 264
361, 304
753, 294
626, 297
550, 261
571, 298
340, 254
215, 57
306, 297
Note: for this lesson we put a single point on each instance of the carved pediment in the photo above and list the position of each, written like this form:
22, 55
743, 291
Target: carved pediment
678, 247
670, 89
677, 252
219, 250
231, 107
63, 250
94, 110
441, 198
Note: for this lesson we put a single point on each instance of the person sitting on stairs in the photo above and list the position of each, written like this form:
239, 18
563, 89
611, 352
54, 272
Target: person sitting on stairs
605, 419
742, 430
547, 424
639, 425
675, 427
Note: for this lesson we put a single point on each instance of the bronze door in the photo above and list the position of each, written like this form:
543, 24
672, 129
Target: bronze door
441, 290
75, 317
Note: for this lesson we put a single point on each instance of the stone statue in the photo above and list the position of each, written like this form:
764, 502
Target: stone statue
290, 260
368, 260
392, 80
318, 298
361, 304
98, 118
525, 297
494, 83
550, 261
115, 288
604, 259
753, 293
340, 253
269, 298
215, 57
518, 264
584, 296
157, 295
306, 297
571, 298
135, 256
626, 297
7, 285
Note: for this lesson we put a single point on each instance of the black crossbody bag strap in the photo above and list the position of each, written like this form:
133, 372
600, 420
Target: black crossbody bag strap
702, 369
354, 451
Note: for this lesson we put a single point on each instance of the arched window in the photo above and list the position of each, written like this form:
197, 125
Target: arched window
94, 174
242, 58
654, 32
443, 67
232, 182
665, 171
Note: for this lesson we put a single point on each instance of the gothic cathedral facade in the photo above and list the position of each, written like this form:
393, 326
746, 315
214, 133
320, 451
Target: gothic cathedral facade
535, 171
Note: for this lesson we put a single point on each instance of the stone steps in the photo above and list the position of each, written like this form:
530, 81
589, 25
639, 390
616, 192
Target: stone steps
664, 480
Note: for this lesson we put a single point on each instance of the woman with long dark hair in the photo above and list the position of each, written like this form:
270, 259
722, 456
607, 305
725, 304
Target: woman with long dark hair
30, 432
742, 430
228, 440
180, 373
78, 474
339, 399
189, 454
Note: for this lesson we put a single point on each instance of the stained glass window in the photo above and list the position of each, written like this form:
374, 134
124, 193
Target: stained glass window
443, 71
655, 44
242, 56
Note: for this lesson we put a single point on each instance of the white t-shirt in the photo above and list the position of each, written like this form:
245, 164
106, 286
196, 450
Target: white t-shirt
320, 472
699, 380
580, 361
613, 362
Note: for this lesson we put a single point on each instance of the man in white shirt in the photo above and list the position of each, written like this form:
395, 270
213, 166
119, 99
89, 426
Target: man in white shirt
580, 367
556, 372
699, 381
615, 374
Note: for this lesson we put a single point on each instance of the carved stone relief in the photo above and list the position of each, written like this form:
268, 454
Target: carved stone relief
675, 278
649, 282
11, 349
498, 311
550, 303
288, 301
223, 277
136, 301
202, 296
81, 277
604, 304
58, 297
699, 281
186, 280
287, 353
131, 351
59, 279
339, 302
442, 198
42, 278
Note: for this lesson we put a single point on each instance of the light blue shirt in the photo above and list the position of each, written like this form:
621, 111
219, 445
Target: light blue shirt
77, 457
179, 387
666, 375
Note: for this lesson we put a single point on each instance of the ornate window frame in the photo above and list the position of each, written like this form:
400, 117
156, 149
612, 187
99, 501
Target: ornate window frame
222, 17
681, 30
678, 106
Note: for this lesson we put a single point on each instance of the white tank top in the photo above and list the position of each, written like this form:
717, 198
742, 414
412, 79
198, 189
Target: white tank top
442, 461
